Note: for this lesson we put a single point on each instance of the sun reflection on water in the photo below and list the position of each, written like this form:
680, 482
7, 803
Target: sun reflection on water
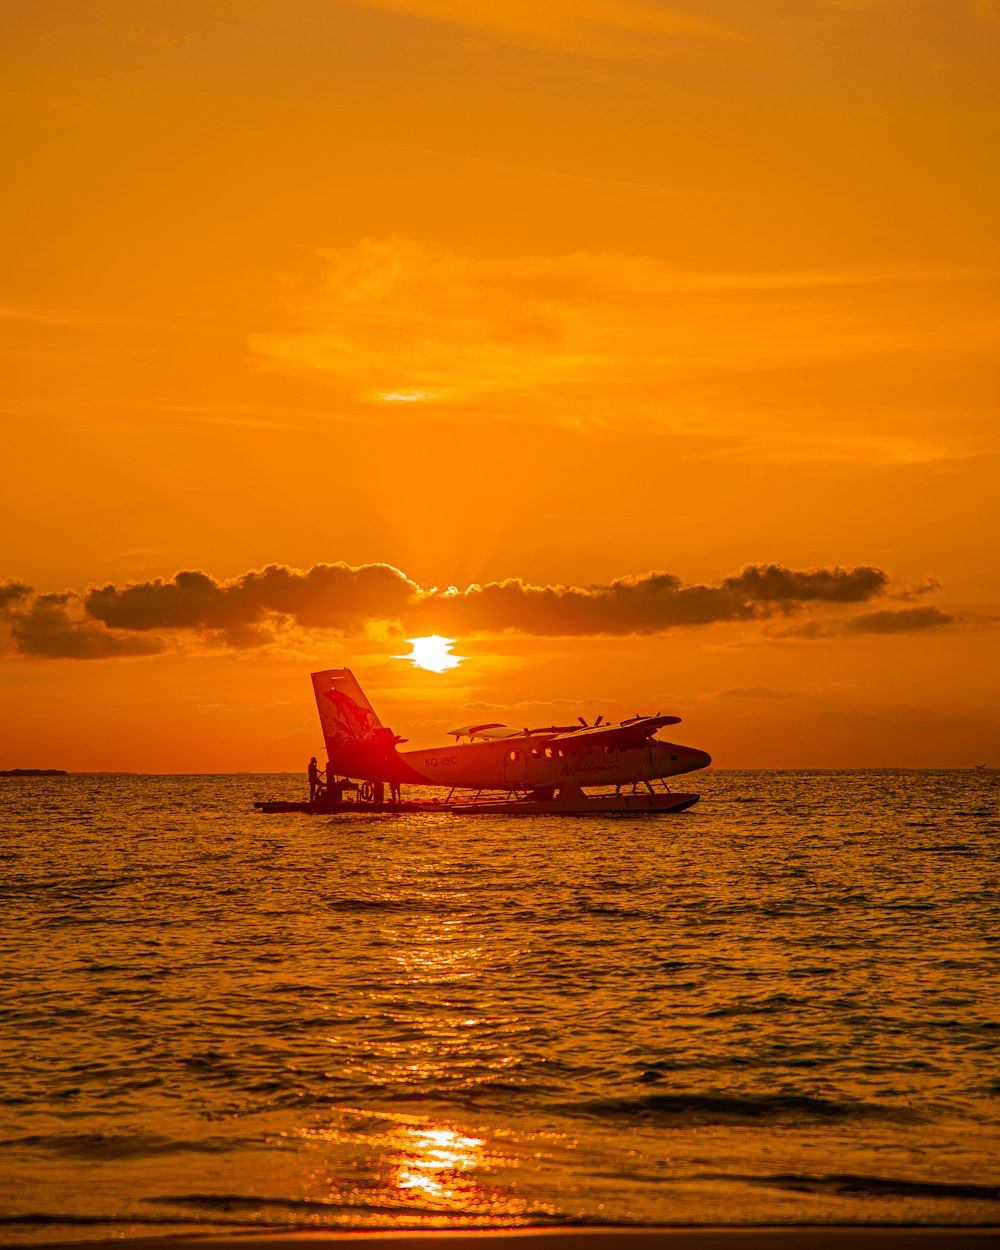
420, 1171
436, 1166
436, 954
435, 1030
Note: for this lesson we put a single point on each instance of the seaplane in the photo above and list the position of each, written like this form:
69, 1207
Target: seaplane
518, 770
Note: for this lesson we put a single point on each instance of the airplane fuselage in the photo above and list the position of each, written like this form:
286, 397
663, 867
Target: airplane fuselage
532, 763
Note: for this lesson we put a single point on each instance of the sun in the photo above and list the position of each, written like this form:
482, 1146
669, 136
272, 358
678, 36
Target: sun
432, 653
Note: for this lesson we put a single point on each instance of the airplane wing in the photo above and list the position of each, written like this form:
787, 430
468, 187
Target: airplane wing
487, 733
627, 736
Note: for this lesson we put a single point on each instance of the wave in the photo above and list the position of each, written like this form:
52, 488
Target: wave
304, 1207
414, 905
869, 1186
713, 1109
122, 1221
98, 1146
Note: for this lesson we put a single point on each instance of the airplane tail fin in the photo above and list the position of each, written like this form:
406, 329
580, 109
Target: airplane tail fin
358, 745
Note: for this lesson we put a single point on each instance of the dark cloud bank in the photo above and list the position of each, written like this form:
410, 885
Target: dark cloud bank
897, 622
245, 612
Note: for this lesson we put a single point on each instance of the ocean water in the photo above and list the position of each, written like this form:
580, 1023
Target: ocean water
782, 1006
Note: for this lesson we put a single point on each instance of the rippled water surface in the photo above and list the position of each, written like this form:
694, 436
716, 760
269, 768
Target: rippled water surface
780, 1006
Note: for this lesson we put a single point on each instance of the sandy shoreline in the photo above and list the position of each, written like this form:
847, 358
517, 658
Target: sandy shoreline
842, 1237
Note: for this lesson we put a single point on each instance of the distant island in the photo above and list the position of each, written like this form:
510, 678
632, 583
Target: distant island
33, 772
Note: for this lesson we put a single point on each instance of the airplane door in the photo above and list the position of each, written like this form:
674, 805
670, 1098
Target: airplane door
515, 767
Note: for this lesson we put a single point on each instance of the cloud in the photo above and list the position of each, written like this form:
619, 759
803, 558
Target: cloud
901, 621
645, 604
809, 631
266, 606
401, 319
733, 360
752, 692
987, 12
53, 628
597, 26
772, 583
345, 599
69, 317
329, 596
12, 592
916, 590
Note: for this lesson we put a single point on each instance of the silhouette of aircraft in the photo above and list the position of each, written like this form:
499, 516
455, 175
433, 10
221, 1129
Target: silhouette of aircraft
551, 765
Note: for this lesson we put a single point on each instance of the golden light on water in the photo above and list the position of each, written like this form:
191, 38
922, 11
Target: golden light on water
439, 1037
429, 1172
434, 1163
411, 1169
432, 653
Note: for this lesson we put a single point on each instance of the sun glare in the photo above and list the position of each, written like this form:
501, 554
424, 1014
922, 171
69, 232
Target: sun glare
432, 653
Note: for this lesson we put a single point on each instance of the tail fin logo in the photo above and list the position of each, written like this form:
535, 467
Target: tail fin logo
352, 722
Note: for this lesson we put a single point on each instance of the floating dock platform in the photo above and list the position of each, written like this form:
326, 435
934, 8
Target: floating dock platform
357, 808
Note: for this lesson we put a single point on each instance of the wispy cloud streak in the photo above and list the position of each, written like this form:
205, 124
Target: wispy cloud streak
596, 26
612, 340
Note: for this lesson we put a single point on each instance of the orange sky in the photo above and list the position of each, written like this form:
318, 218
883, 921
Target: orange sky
569, 292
